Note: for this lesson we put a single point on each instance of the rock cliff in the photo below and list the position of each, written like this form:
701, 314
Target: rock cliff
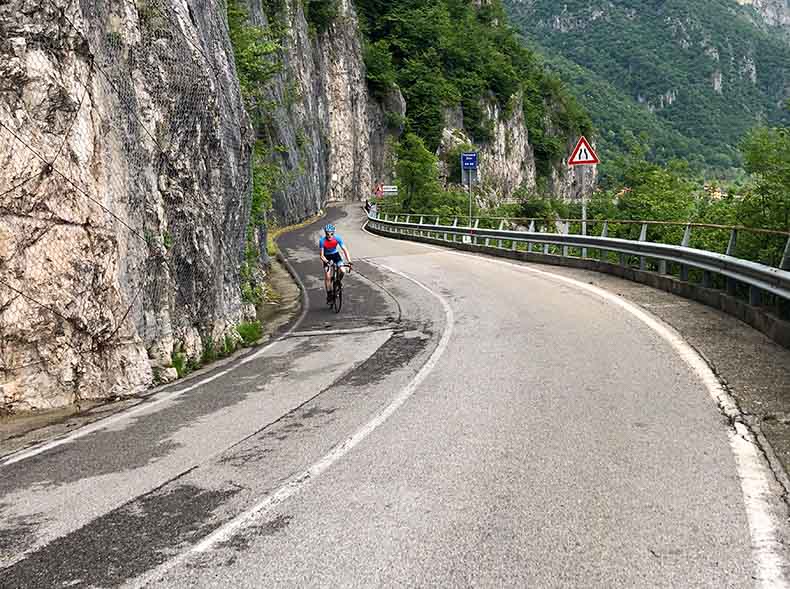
507, 162
124, 175
328, 134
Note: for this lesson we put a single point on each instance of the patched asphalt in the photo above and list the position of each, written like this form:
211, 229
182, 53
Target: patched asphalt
110, 506
556, 442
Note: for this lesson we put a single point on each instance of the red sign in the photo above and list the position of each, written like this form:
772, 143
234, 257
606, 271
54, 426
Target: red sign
584, 154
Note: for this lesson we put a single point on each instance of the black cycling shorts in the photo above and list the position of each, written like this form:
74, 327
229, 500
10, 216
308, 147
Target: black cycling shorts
336, 258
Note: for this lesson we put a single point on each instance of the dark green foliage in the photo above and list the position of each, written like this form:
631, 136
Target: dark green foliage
418, 178
767, 201
179, 361
210, 352
321, 13
380, 70
453, 161
449, 52
255, 53
250, 332
273, 8
257, 60
635, 50
395, 121
674, 193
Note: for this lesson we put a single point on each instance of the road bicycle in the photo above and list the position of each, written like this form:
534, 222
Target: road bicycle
336, 277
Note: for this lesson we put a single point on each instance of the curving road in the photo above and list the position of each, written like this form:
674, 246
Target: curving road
462, 422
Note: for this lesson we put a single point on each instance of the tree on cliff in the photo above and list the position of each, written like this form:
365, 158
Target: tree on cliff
418, 175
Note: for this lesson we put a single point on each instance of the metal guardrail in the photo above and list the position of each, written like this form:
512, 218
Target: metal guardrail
760, 278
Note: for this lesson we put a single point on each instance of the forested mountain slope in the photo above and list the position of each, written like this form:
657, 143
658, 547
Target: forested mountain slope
702, 73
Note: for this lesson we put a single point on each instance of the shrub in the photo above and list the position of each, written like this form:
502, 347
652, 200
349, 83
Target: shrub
250, 332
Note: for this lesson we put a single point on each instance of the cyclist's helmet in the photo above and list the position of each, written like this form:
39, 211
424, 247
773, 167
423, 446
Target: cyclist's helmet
329, 228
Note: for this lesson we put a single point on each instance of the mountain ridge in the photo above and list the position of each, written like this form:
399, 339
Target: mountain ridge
706, 70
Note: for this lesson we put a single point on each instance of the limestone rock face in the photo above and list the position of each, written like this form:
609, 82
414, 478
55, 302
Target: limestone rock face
124, 194
775, 12
330, 135
507, 161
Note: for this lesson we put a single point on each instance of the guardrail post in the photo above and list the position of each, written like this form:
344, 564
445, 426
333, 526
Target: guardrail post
475, 241
584, 232
421, 219
604, 254
755, 296
530, 229
662, 266
643, 237
686, 236
438, 221
733, 243
684, 270
785, 265
707, 279
501, 226
566, 229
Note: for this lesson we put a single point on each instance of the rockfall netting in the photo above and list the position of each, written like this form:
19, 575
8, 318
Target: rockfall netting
124, 195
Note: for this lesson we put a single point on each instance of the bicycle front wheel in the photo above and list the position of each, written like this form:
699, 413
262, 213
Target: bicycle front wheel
338, 300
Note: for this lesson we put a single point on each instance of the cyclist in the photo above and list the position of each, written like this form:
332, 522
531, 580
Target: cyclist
329, 247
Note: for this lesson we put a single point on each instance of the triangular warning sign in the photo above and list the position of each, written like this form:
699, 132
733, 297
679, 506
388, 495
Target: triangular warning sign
584, 154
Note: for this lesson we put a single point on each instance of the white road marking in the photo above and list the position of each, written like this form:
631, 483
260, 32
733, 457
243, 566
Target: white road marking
762, 505
299, 481
350, 331
146, 405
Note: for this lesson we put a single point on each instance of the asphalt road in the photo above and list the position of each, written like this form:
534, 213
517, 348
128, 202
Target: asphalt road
461, 422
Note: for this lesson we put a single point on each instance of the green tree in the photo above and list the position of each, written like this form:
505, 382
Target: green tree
255, 54
767, 158
417, 175
380, 71
321, 13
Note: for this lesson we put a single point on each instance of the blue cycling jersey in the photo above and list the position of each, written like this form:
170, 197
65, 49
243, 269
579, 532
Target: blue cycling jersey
330, 244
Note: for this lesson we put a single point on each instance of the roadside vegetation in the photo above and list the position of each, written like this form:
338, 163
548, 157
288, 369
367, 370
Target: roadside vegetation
641, 190
451, 53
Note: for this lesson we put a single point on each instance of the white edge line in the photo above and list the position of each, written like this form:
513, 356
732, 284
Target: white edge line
299, 481
146, 405
754, 473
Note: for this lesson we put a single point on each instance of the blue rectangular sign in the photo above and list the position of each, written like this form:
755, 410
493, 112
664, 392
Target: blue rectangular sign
469, 161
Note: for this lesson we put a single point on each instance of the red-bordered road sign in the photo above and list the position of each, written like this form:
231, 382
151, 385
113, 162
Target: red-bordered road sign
584, 154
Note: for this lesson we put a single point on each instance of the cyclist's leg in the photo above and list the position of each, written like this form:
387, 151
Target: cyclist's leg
328, 281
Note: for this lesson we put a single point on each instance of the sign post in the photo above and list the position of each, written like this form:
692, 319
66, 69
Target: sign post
469, 164
584, 155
